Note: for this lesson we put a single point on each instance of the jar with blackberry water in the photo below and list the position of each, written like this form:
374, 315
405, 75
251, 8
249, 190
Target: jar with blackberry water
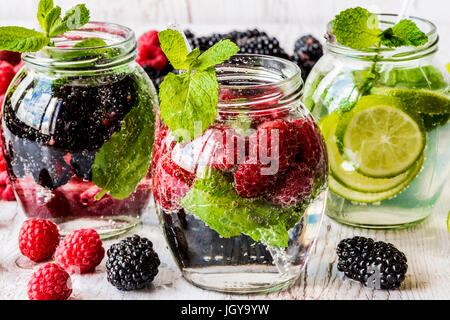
76, 123
242, 203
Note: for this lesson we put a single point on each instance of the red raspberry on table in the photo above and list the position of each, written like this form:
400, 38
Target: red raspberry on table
150, 52
171, 183
38, 239
7, 73
50, 282
80, 251
275, 141
251, 180
12, 57
295, 187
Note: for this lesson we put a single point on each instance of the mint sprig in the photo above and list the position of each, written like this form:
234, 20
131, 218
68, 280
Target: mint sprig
214, 200
359, 29
21, 39
188, 101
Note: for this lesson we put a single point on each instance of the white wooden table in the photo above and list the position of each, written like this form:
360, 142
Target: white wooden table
427, 247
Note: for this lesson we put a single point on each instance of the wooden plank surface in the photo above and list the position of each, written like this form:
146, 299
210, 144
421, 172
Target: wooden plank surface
426, 246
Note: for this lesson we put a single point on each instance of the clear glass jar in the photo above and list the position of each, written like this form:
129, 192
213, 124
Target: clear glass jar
61, 108
370, 185
241, 205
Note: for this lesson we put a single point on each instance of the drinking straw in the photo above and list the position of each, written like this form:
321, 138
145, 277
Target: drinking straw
404, 11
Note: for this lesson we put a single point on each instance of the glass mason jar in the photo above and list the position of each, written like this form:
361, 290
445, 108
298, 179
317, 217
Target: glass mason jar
241, 204
60, 109
384, 116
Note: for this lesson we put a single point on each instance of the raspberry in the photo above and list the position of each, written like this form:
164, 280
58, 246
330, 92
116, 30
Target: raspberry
38, 239
297, 186
80, 251
7, 73
250, 181
12, 57
284, 148
309, 142
50, 282
229, 147
171, 183
150, 52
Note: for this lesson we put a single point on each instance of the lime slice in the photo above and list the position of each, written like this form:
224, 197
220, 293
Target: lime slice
421, 101
343, 170
380, 138
448, 67
368, 197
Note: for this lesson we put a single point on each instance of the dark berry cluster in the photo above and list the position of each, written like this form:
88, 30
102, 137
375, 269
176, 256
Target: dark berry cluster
157, 76
307, 51
248, 41
132, 263
374, 263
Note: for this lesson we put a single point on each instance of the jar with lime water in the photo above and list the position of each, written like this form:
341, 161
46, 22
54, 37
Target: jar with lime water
383, 102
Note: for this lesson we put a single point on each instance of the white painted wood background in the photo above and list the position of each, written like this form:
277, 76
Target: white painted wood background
427, 245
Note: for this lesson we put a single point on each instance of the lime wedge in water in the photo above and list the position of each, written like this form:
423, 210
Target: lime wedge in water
343, 170
421, 101
367, 197
380, 138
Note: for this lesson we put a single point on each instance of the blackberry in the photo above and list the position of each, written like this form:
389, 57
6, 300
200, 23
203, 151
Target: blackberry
132, 263
360, 258
261, 44
157, 76
249, 41
81, 164
307, 51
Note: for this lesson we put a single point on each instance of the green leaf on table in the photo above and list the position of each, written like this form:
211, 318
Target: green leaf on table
214, 200
123, 161
21, 39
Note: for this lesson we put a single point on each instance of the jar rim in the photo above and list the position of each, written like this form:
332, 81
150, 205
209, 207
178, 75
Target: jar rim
246, 80
118, 37
388, 54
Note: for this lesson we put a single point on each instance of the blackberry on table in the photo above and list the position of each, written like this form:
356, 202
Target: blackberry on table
362, 258
261, 45
132, 263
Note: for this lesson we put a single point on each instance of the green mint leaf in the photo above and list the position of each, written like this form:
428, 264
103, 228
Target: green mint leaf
214, 200
218, 53
189, 103
74, 18
123, 161
192, 56
51, 18
174, 47
404, 33
21, 39
90, 43
356, 28
44, 7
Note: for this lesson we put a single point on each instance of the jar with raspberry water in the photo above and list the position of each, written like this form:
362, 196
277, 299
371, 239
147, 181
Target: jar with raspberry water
62, 109
241, 204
